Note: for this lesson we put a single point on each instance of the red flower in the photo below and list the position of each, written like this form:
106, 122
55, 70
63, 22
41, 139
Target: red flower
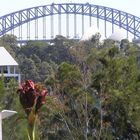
31, 95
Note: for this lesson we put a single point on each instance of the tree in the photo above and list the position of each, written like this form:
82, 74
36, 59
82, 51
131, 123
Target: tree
29, 70
69, 85
116, 86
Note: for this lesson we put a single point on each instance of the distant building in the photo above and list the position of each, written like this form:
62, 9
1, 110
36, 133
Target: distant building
93, 30
118, 35
136, 41
8, 66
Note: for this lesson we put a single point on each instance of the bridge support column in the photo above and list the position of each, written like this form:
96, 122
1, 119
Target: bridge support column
59, 24
75, 26
67, 25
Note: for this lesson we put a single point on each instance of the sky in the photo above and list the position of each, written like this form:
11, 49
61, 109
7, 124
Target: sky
130, 6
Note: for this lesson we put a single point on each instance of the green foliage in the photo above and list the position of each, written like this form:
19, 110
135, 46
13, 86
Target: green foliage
15, 126
2, 91
93, 88
68, 73
116, 82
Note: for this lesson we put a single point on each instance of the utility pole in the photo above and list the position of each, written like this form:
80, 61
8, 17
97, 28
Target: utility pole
5, 114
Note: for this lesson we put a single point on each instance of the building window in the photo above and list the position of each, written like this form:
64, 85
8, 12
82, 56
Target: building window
3, 69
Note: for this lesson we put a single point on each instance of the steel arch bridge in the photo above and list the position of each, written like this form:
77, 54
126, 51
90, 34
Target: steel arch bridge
16, 19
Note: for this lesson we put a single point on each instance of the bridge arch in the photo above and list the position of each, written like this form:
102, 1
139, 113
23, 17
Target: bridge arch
122, 19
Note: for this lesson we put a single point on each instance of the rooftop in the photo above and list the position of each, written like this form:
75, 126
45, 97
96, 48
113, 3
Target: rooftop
6, 59
118, 35
90, 32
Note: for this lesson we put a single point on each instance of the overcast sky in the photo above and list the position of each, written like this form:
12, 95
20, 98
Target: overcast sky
130, 6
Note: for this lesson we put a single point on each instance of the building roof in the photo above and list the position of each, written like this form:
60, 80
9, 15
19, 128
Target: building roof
6, 59
118, 35
90, 32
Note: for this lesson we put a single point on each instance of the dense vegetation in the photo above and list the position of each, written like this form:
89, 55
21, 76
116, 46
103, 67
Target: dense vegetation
94, 89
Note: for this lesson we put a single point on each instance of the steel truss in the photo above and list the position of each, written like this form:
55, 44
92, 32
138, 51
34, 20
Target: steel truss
122, 19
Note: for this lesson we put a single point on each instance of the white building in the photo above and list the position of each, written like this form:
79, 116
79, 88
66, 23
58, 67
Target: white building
118, 35
8, 66
93, 30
